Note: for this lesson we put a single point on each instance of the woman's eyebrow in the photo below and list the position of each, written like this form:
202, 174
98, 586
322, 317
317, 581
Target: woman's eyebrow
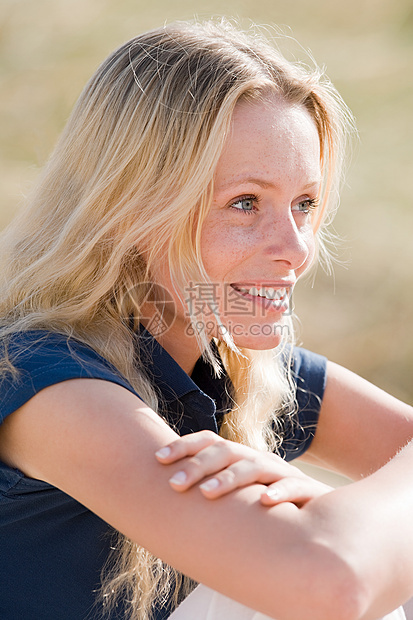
264, 183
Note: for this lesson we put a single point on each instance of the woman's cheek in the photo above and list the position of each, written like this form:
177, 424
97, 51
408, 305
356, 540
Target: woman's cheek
224, 251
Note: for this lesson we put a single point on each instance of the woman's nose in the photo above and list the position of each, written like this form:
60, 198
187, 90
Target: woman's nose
287, 242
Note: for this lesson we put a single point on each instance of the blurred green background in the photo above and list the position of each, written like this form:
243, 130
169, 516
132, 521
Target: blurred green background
362, 315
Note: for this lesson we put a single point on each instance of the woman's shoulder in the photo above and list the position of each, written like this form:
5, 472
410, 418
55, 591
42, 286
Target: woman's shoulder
35, 359
28, 347
309, 370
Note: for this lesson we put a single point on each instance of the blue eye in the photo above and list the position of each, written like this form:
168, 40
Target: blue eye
305, 206
245, 204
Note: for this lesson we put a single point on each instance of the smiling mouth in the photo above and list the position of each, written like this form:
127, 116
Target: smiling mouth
268, 297
265, 292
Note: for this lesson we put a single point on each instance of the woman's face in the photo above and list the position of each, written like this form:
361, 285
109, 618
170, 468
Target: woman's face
258, 238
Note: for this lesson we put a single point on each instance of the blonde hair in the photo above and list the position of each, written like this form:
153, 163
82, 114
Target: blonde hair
132, 177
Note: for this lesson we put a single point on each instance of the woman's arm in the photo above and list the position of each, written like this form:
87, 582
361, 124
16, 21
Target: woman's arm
360, 426
334, 558
207, 456
221, 466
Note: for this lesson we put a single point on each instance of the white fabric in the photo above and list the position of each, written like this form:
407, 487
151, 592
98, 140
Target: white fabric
206, 604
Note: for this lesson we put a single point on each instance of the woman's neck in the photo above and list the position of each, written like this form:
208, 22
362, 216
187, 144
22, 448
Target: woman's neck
184, 349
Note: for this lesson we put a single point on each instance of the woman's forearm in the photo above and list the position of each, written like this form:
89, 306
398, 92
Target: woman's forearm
320, 562
369, 524
349, 543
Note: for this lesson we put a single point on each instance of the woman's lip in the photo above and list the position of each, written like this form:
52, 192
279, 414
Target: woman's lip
279, 304
241, 286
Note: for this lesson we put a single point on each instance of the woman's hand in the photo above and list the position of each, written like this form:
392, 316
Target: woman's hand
233, 465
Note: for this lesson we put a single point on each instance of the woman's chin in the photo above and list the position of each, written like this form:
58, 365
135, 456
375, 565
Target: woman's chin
263, 338
258, 344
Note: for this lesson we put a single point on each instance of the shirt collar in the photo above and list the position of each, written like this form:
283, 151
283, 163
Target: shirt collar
166, 374
197, 401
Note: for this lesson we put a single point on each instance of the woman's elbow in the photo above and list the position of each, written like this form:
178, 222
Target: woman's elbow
332, 587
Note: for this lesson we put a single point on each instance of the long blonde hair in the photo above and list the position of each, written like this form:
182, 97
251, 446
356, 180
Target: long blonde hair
132, 176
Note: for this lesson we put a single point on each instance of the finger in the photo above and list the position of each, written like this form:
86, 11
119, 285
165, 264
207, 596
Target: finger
243, 472
237, 475
296, 490
234, 466
210, 460
188, 445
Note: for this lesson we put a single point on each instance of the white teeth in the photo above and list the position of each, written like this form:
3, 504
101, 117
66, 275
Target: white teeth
269, 293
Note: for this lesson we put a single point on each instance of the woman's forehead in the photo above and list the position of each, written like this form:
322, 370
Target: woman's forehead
266, 136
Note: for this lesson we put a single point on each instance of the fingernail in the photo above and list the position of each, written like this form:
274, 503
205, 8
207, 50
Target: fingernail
163, 452
178, 478
210, 485
273, 493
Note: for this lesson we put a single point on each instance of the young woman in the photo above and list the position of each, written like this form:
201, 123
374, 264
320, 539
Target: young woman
145, 295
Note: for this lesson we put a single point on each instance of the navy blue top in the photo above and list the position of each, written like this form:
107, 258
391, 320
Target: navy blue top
52, 547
